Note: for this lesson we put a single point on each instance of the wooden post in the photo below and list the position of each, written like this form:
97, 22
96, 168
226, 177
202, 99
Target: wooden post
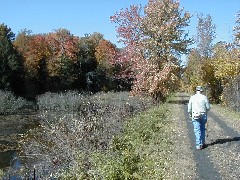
34, 174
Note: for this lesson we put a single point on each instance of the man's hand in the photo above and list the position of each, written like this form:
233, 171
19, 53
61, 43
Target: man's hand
190, 115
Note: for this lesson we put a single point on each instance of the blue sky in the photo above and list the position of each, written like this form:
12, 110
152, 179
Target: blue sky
88, 16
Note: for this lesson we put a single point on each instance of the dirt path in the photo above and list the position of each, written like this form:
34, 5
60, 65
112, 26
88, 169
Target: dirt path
220, 159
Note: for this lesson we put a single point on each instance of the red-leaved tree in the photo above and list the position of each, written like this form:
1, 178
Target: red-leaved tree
153, 40
65, 49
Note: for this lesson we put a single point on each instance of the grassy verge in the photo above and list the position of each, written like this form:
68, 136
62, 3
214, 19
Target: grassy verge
71, 123
139, 152
1, 173
228, 112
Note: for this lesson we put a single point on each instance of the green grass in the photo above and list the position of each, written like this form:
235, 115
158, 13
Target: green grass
75, 126
139, 152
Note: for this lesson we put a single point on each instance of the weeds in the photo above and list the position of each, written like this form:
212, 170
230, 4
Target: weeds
139, 152
68, 101
228, 111
231, 94
73, 126
1, 173
9, 103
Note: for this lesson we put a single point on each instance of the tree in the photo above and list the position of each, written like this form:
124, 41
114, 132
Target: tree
87, 60
200, 70
36, 52
206, 33
64, 47
105, 52
153, 43
50, 59
227, 68
130, 34
237, 29
225, 61
38, 49
163, 27
11, 66
22, 40
193, 70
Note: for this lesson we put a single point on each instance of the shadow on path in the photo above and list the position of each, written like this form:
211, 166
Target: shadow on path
205, 168
178, 102
222, 141
179, 98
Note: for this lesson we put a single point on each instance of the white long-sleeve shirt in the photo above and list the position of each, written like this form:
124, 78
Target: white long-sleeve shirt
198, 103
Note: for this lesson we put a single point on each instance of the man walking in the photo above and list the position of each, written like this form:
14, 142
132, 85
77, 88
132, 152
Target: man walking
197, 108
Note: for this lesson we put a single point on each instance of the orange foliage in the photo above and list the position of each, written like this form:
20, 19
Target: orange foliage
38, 49
62, 43
105, 52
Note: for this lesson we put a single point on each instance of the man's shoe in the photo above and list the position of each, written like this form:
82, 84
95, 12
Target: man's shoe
199, 147
204, 146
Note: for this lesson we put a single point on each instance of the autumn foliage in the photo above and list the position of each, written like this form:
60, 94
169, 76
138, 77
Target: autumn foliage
153, 38
60, 60
215, 66
105, 53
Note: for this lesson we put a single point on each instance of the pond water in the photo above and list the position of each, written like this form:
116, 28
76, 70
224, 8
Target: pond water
11, 129
6, 158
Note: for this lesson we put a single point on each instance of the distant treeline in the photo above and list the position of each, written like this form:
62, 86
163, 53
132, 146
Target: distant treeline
33, 64
149, 64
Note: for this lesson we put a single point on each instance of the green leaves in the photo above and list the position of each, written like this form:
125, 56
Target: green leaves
139, 151
11, 69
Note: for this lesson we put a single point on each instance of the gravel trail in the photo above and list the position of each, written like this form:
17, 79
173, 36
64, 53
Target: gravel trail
184, 166
220, 159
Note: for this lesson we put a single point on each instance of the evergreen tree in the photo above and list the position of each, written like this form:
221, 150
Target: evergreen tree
11, 66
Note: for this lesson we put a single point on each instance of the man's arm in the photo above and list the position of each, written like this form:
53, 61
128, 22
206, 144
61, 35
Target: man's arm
207, 104
190, 107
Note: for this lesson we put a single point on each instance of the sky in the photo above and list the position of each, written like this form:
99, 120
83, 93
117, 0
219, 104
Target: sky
82, 17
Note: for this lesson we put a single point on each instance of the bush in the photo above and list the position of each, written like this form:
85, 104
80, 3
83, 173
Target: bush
1, 173
231, 94
73, 124
9, 103
68, 101
139, 152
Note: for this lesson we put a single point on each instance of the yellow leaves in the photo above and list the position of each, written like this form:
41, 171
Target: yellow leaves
105, 51
225, 62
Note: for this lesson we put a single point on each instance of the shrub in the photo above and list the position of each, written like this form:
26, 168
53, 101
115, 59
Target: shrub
9, 103
73, 124
1, 173
139, 152
231, 94
68, 101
